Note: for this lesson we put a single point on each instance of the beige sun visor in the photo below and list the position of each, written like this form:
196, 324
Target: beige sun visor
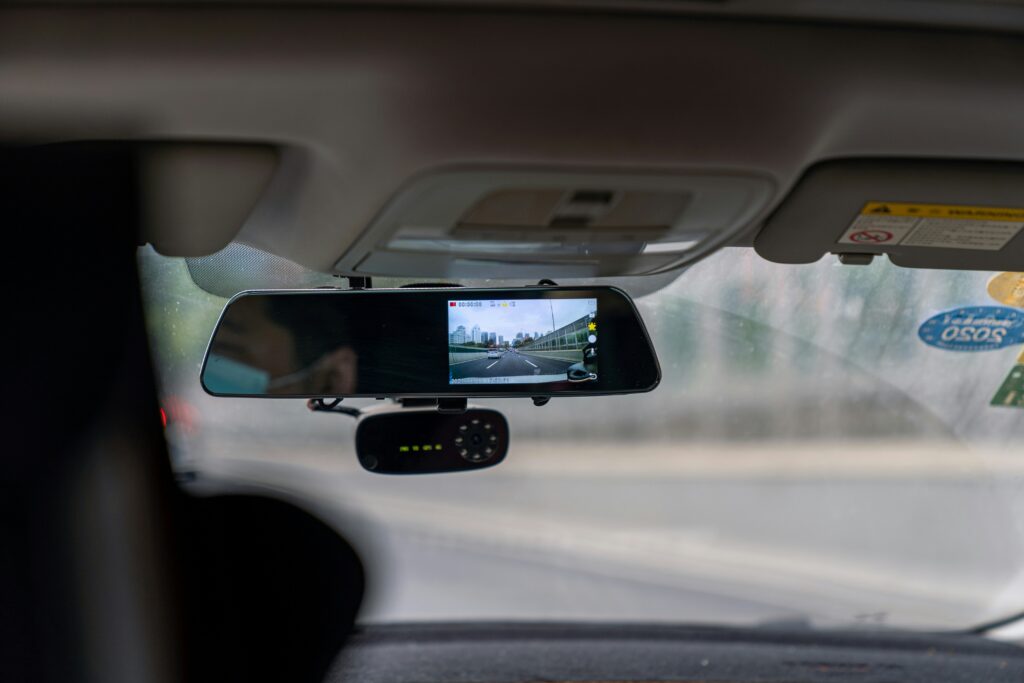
197, 195
920, 213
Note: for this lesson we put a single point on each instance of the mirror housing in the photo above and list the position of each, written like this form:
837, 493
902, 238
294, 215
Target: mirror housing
437, 342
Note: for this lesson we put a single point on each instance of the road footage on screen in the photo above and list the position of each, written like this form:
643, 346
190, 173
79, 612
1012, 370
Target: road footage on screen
522, 341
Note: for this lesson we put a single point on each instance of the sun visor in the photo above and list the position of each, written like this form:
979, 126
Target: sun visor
920, 213
197, 195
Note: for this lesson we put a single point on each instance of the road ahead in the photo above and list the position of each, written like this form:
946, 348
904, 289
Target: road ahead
564, 531
510, 364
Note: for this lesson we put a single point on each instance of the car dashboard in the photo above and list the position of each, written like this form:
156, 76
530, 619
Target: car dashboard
522, 652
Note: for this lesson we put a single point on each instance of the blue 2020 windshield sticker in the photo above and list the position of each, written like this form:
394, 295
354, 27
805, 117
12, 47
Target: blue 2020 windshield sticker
974, 328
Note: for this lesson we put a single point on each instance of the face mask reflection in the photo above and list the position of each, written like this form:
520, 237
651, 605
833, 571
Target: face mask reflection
261, 348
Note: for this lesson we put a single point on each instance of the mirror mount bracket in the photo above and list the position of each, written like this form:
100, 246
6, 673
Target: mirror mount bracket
446, 405
452, 405
415, 402
359, 282
541, 400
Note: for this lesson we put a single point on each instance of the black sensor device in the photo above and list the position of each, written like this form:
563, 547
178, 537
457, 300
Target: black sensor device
425, 441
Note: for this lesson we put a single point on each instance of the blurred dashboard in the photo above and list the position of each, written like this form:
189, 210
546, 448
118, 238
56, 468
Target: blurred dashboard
517, 653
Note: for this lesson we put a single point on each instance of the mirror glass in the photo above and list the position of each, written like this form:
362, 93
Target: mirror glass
534, 341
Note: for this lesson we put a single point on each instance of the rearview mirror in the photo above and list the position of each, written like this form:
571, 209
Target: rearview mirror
533, 341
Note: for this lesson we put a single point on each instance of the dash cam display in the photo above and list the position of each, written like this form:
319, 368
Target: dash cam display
522, 341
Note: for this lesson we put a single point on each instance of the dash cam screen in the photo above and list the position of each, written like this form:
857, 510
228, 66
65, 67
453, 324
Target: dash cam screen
522, 341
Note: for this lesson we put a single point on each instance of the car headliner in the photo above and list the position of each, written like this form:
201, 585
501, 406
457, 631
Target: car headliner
359, 100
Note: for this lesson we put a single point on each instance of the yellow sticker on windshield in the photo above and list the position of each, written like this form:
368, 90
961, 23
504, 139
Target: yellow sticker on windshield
1007, 288
949, 226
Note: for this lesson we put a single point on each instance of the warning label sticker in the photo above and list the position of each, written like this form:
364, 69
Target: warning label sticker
934, 225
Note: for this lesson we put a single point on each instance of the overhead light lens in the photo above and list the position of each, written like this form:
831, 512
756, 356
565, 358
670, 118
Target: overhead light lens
669, 247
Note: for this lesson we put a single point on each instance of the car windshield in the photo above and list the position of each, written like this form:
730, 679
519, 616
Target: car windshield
806, 457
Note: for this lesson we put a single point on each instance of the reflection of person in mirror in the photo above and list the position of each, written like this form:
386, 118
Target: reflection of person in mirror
299, 354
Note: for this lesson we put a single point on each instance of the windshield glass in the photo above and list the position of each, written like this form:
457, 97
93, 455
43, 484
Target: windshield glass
806, 456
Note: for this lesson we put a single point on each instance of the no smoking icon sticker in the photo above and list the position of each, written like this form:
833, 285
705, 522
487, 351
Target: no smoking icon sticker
879, 230
870, 237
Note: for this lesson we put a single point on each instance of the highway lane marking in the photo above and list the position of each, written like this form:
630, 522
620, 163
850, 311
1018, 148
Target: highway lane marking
530, 363
492, 364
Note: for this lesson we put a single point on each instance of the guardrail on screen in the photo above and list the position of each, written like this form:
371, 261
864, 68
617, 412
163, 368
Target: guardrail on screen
460, 354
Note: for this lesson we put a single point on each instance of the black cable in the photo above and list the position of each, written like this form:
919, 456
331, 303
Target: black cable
982, 629
320, 405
